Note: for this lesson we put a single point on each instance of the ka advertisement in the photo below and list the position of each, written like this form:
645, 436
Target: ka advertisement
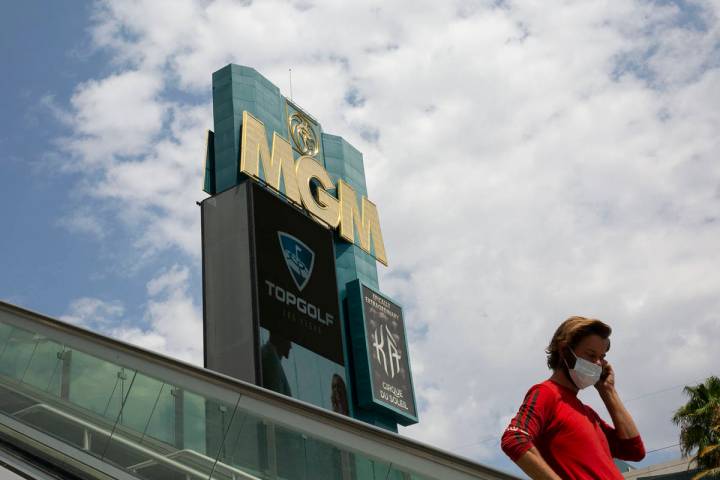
380, 349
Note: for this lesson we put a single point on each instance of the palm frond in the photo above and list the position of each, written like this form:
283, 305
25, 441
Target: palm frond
708, 449
706, 473
699, 421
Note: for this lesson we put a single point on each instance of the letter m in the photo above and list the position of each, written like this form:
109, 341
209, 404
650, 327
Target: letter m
366, 220
254, 150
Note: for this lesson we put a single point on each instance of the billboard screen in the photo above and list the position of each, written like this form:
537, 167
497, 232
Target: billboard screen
296, 286
379, 330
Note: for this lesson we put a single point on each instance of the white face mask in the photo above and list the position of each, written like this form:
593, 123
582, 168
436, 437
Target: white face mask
584, 373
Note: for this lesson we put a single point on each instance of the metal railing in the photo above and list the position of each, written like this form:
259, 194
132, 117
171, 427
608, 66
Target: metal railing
153, 456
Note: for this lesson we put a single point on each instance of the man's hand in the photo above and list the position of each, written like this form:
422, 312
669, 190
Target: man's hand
622, 420
607, 379
532, 463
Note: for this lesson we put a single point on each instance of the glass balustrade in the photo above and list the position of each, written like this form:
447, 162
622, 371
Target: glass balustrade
153, 418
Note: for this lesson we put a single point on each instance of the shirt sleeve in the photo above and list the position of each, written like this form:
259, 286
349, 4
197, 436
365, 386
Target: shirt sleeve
631, 449
529, 422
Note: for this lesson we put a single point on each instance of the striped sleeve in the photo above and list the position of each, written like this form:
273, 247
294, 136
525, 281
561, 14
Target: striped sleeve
529, 422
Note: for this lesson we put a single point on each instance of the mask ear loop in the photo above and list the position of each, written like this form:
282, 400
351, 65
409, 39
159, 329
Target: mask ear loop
566, 365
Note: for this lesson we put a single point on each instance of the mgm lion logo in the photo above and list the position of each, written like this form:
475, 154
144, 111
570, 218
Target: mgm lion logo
302, 134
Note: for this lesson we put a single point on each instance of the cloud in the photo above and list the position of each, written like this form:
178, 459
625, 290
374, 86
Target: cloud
116, 116
174, 317
530, 161
83, 222
173, 323
93, 313
141, 153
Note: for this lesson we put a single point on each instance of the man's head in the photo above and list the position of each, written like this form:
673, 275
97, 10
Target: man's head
585, 337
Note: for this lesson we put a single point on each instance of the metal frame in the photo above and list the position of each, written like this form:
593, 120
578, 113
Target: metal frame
58, 452
156, 457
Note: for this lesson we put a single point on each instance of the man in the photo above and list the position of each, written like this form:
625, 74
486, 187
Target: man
272, 352
554, 435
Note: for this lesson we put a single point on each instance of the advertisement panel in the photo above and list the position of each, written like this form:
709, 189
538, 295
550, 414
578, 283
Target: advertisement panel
381, 353
297, 291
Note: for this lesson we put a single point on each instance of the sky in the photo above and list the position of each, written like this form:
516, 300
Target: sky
530, 160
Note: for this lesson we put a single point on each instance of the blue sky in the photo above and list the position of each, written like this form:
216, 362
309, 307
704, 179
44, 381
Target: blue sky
48, 52
529, 162
45, 53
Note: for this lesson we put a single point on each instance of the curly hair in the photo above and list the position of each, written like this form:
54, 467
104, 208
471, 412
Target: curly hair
570, 333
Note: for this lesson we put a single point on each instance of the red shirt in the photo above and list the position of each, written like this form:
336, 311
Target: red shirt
570, 436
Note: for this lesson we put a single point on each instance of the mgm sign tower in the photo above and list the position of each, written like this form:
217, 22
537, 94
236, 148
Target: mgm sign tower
290, 244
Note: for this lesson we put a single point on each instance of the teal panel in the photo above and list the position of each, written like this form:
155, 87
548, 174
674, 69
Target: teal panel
237, 89
344, 161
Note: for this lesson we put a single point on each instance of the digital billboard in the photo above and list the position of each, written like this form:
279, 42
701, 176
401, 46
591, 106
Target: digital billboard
271, 305
296, 287
380, 352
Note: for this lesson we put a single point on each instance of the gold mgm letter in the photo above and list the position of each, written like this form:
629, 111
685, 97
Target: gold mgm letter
296, 176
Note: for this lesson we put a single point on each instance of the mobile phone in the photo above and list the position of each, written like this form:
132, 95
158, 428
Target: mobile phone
605, 373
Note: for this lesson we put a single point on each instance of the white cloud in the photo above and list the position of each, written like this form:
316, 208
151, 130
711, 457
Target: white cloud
116, 116
83, 222
174, 317
173, 321
144, 161
93, 313
530, 161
